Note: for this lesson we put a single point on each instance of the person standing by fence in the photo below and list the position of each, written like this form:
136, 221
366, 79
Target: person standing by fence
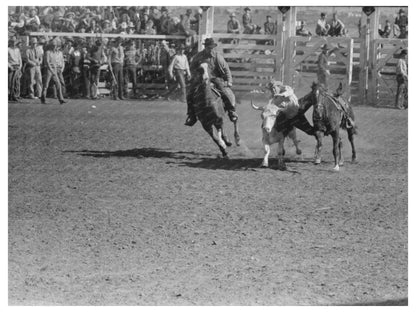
53, 64
401, 77
178, 69
15, 67
34, 57
131, 61
115, 63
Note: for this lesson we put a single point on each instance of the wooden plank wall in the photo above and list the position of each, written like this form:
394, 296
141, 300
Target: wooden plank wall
251, 58
383, 71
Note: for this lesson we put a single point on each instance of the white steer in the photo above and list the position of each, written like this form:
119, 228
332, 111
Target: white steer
271, 136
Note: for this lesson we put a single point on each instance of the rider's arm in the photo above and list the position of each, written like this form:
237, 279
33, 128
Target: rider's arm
225, 69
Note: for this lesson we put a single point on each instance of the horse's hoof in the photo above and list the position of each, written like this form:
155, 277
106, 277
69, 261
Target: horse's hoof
336, 168
228, 143
354, 161
226, 156
264, 166
341, 163
317, 161
298, 152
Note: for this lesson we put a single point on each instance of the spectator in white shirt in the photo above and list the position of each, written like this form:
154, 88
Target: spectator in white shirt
178, 69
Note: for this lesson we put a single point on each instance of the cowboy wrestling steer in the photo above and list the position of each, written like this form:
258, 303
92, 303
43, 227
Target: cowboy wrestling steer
271, 135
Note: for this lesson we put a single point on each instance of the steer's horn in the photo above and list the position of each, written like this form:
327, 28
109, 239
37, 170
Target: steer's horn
256, 107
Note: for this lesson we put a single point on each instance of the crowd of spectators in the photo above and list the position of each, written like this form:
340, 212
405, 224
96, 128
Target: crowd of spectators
77, 62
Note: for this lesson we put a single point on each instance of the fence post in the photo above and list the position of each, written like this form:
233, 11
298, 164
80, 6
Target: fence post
279, 46
364, 49
349, 66
372, 61
206, 25
289, 30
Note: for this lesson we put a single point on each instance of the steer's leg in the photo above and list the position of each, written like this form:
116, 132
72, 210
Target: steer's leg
280, 153
225, 138
236, 133
265, 162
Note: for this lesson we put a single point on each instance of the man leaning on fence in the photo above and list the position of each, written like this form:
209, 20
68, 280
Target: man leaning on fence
220, 76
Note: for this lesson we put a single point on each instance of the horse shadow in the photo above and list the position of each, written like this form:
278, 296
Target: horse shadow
139, 153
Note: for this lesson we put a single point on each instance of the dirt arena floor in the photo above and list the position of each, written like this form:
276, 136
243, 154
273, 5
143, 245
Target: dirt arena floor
120, 204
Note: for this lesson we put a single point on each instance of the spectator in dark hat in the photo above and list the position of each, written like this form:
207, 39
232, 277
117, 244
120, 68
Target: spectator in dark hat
220, 76
322, 27
401, 25
248, 25
269, 26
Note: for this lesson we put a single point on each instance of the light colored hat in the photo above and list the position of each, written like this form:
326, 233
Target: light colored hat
123, 25
232, 14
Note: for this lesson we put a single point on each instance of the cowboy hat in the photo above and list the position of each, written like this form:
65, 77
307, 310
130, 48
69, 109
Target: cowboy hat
188, 12
182, 47
69, 13
401, 11
247, 9
232, 14
209, 42
404, 52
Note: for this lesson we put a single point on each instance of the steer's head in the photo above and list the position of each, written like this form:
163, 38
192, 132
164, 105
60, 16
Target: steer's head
268, 115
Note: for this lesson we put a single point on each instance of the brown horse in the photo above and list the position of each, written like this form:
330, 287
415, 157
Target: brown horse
328, 117
209, 109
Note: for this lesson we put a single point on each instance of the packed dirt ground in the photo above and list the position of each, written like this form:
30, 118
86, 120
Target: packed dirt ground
123, 205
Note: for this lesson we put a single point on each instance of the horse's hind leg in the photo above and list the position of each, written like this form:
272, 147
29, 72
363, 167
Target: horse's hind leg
319, 136
217, 139
351, 139
335, 149
341, 157
292, 136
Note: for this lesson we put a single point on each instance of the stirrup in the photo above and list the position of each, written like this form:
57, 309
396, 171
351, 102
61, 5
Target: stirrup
233, 116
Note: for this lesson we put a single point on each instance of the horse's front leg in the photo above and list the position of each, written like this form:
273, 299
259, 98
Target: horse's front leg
319, 136
236, 133
341, 155
292, 136
335, 149
351, 139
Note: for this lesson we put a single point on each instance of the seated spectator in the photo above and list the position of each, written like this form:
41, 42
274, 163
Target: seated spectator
131, 29
174, 26
166, 22
149, 28
163, 18
94, 28
107, 28
233, 25
248, 25
123, 28
144, 19
401, 22
322, 27
385, 33
302, 31
337, 28
32, 21
270, 27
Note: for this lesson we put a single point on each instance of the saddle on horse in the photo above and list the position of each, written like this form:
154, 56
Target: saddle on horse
342, 105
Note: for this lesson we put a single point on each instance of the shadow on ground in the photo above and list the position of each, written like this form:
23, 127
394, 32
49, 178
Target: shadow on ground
193, 159
393, 302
